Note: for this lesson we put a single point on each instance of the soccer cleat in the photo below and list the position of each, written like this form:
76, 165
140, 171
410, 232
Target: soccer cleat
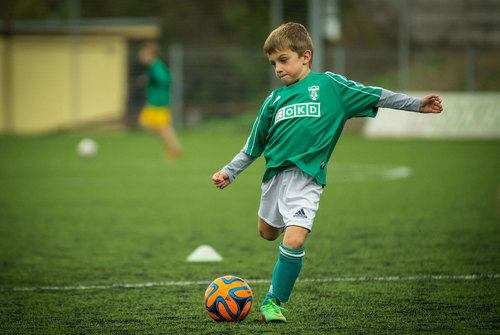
270, 311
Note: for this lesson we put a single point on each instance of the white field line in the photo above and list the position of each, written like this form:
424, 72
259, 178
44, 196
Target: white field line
345, 172
361, 279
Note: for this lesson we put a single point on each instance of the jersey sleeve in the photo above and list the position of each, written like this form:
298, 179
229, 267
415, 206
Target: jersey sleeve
358, 100
256, 141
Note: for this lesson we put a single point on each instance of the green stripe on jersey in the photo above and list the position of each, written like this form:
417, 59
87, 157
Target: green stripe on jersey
251, 141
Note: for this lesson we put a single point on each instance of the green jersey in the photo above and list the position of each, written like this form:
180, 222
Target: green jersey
158, 88
299, 124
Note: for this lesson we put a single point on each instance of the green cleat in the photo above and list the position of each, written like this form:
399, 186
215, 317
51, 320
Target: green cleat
270, 311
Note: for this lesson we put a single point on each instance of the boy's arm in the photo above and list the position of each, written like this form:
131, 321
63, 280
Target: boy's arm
239, 163
428, 104
229, 172
253, 148
360, 100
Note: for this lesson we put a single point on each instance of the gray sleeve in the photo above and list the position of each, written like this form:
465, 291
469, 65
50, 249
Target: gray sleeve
239, 163
389, 99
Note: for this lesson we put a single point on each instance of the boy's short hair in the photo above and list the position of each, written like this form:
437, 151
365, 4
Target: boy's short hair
151, 46
290, 35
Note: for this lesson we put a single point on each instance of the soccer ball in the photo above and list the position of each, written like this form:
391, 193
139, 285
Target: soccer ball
87, 147
228, 298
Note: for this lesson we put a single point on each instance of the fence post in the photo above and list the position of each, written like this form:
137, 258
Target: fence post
276, 18
404, 45
176, 56
339, 59
7, 79
317, 31
75, 65
471, 68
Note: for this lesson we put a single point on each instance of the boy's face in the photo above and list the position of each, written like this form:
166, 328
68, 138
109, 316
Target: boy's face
146, 56
289, 67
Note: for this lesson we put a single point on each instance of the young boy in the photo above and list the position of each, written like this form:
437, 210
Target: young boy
156, 113
297, 128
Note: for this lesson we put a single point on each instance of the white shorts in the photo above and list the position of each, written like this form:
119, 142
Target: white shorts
291, 198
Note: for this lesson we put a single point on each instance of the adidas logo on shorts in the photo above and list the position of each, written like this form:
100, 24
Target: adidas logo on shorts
300, 214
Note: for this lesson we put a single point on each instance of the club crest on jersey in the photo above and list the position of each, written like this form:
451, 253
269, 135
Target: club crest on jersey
314, 92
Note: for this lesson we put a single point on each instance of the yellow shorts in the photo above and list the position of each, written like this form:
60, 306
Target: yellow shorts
154, 117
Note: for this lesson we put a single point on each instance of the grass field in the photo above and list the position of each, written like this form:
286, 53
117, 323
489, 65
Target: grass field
129, 216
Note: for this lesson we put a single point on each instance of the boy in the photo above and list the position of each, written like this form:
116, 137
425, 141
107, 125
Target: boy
156, 114
296, 130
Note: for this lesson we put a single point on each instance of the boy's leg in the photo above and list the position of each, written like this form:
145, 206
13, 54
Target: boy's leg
173, 146
267, 231
270, 223
285, 273
159, 120
288, 264
297, 203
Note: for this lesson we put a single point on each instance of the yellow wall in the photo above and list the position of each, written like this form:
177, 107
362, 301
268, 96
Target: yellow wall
2, 85
58, 83
103, 75
41, 87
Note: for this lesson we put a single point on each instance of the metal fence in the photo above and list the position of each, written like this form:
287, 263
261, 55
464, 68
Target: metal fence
207, 82
223, 81
420, 45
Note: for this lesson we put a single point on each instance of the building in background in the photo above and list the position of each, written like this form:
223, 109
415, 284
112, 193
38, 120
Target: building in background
55, 75
214, 50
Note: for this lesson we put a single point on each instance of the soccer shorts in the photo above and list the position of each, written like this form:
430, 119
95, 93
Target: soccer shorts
154, 117
291, 198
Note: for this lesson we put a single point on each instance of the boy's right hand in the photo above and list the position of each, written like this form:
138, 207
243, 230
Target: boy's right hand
220, 179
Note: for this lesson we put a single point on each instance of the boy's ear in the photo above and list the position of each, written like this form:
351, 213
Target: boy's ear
307, 56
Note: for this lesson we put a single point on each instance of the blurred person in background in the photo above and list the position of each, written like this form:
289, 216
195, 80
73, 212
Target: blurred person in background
156, 115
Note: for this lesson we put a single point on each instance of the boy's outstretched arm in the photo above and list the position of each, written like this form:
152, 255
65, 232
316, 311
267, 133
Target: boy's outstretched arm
431, 103
228, 173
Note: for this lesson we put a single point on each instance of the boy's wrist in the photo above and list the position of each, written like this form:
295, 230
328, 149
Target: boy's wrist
239, 163
419, 106
230, 176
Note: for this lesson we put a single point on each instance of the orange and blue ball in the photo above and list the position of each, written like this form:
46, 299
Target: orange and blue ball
228, 298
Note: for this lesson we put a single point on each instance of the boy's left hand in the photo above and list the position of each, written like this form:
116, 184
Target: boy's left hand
431, 103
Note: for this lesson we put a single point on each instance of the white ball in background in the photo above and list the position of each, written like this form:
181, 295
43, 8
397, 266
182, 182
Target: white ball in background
87, 147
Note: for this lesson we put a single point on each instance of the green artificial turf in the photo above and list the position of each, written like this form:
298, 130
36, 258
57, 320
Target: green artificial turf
130, 216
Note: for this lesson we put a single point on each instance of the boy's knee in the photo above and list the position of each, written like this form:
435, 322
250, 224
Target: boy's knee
268, 235
295, 237
294, 242
267, 232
